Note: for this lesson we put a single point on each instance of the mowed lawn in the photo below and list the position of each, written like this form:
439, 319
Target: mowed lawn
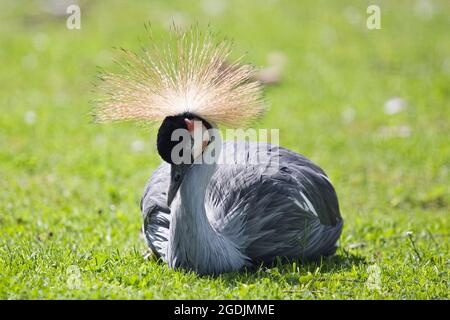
371, 107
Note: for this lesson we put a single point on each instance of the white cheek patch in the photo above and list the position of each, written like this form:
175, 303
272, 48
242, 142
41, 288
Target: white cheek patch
201, 138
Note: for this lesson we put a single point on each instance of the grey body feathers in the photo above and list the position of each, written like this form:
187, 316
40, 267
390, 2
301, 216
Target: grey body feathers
254, 212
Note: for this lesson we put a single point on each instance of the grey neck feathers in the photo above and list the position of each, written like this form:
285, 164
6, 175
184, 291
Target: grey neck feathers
193, 243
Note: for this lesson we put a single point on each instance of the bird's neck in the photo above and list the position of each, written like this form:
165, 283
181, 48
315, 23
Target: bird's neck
193, 243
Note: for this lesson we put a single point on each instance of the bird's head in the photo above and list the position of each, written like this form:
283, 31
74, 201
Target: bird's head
181, 140
181, 83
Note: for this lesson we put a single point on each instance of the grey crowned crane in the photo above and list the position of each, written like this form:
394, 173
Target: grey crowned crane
221, 215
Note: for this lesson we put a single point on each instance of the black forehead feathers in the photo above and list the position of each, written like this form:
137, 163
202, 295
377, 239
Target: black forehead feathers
164, 142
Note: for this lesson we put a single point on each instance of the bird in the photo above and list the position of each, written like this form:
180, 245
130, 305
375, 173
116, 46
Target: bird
248, 204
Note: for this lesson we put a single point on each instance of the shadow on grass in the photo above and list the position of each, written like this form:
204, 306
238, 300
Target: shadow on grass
291, 271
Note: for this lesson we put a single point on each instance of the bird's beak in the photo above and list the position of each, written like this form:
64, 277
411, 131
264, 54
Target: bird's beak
173, 189
177, 173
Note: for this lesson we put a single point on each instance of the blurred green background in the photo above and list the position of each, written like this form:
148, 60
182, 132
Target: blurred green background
371, 107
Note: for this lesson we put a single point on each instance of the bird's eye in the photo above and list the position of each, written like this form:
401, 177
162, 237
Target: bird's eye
176, 178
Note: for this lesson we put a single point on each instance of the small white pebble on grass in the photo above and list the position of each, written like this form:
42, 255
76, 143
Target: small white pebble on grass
269, 75
424, 9
108, 236
137, 146
394, 105
214, 7
30, 117
348, 115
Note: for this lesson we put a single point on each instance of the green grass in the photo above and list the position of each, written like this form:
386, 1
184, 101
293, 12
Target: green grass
70, 190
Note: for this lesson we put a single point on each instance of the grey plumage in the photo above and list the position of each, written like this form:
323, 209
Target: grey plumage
276, 204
